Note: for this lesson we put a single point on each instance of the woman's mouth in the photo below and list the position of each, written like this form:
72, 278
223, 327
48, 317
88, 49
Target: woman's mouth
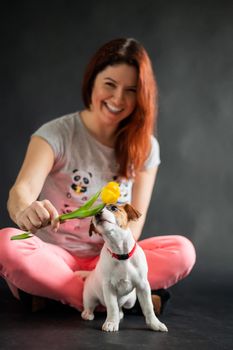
112, 108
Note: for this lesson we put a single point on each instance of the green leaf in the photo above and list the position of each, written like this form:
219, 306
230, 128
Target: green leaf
92, 211
83, 213
80, 212
22, 236
91, 201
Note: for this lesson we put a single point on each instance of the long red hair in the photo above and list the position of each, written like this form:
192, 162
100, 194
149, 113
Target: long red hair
133, 139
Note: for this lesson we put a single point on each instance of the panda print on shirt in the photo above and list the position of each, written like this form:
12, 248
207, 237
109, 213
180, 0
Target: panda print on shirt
80, 183
78, 189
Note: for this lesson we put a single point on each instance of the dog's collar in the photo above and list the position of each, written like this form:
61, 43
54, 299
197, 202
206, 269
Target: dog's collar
123, 256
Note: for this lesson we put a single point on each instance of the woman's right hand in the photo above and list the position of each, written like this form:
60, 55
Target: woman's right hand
38, 214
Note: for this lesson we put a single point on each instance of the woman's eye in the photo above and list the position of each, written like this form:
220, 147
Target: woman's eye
132, 90
110, 84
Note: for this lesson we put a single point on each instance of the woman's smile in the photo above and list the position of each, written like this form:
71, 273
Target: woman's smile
112, 108
114, 94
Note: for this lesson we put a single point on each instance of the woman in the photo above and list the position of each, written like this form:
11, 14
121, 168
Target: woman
72, 157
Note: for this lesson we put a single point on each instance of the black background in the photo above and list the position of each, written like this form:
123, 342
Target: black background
45, 46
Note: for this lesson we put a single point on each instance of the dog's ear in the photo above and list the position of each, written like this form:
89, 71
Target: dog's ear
132, 213
92, 228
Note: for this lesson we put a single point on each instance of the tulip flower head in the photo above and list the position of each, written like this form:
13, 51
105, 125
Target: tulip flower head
110, 193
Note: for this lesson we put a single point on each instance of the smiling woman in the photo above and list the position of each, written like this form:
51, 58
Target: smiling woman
132, 79
113, 99
72, 157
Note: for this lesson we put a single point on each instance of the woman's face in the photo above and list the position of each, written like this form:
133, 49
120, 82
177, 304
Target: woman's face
114, 93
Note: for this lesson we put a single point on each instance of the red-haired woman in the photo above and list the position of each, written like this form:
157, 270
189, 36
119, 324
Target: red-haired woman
71, 158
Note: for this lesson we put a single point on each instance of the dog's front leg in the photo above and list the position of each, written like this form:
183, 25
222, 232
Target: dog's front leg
144, 297
111, 323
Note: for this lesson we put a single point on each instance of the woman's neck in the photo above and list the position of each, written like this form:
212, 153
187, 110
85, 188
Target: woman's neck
102, 133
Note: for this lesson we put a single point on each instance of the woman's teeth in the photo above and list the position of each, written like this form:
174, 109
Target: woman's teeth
113, 109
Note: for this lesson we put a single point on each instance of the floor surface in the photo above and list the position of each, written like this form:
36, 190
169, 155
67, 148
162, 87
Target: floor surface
196, 321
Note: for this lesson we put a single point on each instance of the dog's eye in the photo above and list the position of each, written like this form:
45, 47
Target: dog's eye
112, 207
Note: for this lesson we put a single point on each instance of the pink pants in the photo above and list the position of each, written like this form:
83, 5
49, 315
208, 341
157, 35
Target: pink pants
47, 270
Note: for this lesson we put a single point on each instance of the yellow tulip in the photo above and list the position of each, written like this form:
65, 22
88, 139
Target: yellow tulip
110, 193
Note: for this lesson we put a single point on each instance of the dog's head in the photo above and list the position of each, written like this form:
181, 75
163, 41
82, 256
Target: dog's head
113, 216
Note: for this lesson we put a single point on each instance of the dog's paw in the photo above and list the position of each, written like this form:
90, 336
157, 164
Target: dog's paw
121, 314
158, 326
110, 326
87, 315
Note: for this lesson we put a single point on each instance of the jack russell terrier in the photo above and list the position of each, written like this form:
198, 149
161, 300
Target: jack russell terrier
121, 272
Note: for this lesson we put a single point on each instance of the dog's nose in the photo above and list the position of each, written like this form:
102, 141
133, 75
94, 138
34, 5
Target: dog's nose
98, 215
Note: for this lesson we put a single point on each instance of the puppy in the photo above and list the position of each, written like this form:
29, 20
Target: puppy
121, 272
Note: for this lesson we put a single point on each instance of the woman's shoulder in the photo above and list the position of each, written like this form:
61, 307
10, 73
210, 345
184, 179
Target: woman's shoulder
66, 119
58, 132
154, 143
65, 124
153, 158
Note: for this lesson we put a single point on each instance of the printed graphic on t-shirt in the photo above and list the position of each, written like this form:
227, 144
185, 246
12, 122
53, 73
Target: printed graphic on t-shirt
81, 181
124, 189
78, 190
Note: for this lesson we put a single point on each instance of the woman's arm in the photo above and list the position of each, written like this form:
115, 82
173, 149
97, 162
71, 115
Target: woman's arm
141, 195
24, 209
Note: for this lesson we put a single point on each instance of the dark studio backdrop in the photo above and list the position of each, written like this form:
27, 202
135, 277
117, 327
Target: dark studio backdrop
45, 46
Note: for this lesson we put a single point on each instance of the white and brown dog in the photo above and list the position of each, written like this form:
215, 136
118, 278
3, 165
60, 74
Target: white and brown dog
121, 272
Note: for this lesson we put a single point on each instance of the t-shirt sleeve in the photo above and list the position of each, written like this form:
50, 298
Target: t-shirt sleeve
153, 159
56, 133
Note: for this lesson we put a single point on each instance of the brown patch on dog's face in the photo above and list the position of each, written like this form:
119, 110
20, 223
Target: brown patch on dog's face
92, 229
123, 214
121, 217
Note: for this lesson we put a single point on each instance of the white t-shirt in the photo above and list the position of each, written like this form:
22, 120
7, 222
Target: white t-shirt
82, 167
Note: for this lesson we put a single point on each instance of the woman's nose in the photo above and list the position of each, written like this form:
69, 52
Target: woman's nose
118, 96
